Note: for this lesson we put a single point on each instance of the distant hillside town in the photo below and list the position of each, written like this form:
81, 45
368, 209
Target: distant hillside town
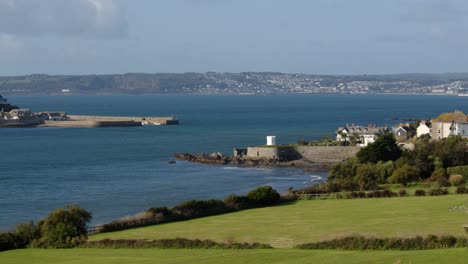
235, 83
443, 126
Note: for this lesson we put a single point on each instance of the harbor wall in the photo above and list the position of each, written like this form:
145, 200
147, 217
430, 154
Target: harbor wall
319, 154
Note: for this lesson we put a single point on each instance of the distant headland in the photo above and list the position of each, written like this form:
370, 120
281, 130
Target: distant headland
235, 83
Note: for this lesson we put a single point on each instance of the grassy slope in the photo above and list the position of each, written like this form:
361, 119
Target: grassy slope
277, 256
308, 221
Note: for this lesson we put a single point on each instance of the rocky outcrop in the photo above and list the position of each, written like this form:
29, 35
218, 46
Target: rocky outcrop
220, 159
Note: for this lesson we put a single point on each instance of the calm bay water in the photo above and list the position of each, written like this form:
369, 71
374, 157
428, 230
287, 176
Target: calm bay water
115, 172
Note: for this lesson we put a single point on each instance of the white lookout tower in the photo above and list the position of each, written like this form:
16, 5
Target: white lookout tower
271, 140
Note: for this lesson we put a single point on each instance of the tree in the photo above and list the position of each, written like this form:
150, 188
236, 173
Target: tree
404, 175
383, 149
264, 196
64, 227
366, 176
343, 170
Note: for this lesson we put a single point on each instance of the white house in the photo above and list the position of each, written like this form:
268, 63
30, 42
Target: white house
364, 134
423, 128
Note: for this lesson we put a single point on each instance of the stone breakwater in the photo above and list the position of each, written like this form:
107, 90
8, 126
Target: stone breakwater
79, 121
314, 157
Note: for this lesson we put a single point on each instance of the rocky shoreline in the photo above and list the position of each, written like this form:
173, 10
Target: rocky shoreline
242, 161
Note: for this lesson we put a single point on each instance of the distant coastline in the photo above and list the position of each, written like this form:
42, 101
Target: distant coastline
245, 83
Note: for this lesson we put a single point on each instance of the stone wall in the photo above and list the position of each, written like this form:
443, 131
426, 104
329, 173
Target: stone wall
318, 154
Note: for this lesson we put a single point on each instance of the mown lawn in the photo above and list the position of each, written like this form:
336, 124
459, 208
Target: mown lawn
308, 221
207, 256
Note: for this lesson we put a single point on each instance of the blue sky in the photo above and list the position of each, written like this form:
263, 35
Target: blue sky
319, 36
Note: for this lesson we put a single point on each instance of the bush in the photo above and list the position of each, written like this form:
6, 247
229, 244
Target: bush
27, 232
456, 180
461, 170
402, 193
237, 202
352, 195
380, 194
462, 189
9, 241
420, 192
342, 185
160, 212
365, 243
171, 243
438, 191
63, 228
388, 193
195, 209
404, 175
264, 196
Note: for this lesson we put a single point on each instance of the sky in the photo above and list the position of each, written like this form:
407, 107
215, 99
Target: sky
293, 36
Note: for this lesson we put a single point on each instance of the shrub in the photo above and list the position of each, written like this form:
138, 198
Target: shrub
63, 228
402, 193
342, 185
404, 175
461, 170
456, 180
171, 243
237, 202
9, 241
462, 189
388, 193
27, 232
420, 192
438, 191
366, 243
443, 182
160, 212
194, 208
366, 177
352, 195
264, 196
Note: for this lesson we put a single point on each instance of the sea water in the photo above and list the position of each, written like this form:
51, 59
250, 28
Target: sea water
114, 172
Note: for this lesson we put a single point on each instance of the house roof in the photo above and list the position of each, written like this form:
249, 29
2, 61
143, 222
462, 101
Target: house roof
457, 117
364, 130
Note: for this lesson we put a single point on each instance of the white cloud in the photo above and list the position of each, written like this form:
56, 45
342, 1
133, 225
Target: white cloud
83, 18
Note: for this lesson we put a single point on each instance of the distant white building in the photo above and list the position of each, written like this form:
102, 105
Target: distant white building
271, 140
423, 128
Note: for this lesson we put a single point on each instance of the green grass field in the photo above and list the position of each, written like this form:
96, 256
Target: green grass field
308, 221
207, 256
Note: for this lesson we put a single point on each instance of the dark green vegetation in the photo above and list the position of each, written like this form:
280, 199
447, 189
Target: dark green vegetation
260, 197
62, 228
66, 228
442, 163
210, 82
365, 243
171, 243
